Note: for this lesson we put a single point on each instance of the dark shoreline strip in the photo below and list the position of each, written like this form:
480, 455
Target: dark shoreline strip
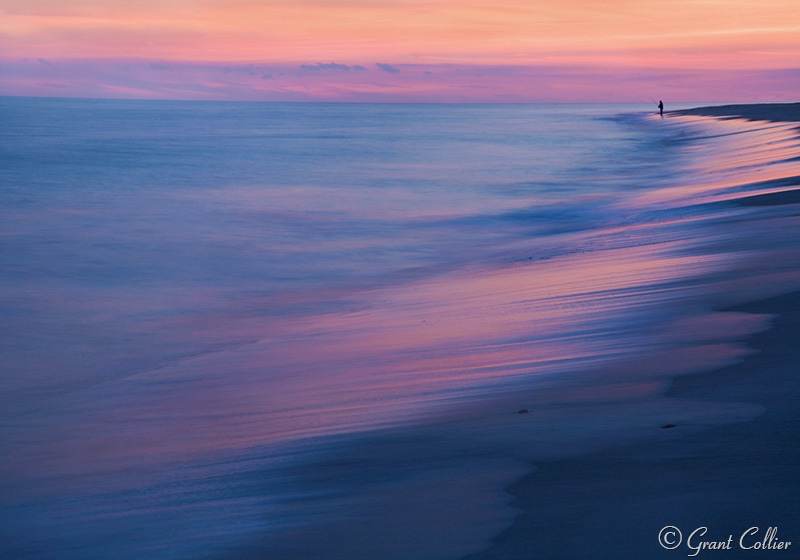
776, 112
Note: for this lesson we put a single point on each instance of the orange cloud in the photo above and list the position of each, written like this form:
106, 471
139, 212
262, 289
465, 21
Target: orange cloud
404, 30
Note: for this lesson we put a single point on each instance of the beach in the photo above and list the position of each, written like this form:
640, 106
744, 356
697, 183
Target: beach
731, 491
399, 280
237, 331
776, 112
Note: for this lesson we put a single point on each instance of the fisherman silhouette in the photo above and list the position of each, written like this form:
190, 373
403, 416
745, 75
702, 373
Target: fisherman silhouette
661, 108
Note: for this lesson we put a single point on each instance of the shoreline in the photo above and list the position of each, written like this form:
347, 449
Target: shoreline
775, 112
612, 504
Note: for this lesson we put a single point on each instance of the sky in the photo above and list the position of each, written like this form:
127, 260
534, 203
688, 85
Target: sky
403, 50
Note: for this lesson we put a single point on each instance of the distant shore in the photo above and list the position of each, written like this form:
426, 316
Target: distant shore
777, 112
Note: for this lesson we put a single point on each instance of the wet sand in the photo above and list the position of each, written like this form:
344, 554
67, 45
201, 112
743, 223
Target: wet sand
613, 504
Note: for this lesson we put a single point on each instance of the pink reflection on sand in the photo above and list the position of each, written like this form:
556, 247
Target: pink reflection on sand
408, 352
611, 324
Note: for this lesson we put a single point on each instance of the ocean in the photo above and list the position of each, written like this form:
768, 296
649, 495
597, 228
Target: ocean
341, 331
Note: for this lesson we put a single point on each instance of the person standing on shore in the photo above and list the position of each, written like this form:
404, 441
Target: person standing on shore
661, 107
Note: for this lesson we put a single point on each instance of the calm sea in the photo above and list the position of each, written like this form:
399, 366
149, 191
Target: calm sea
242, 330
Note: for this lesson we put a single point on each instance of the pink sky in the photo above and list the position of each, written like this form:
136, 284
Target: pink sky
403, 50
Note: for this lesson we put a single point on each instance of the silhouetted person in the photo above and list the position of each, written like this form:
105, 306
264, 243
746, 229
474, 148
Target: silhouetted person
661, 108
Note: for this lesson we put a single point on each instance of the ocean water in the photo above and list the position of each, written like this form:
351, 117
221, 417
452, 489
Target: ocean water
243, 330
